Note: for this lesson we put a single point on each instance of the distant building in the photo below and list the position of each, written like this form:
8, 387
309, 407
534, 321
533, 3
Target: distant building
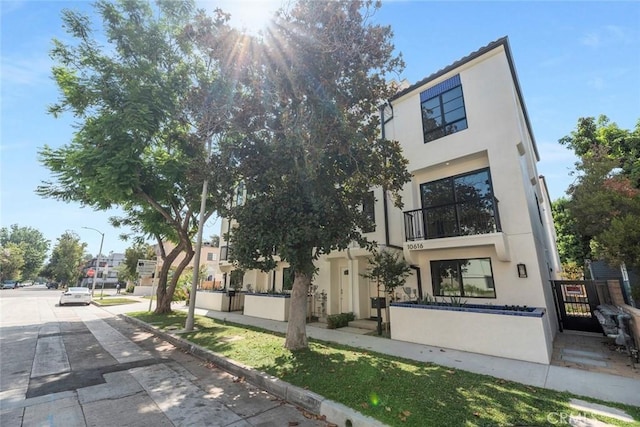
209, 259
106, 274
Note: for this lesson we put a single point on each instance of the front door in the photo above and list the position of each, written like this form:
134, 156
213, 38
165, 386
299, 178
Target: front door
345, 282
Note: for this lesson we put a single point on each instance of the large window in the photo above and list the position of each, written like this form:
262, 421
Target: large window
443, 109
463, 278
461, 205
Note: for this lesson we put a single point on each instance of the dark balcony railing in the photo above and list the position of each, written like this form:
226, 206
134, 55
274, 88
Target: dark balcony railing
455, 219
225, 251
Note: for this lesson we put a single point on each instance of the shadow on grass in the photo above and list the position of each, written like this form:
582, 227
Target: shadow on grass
392, 390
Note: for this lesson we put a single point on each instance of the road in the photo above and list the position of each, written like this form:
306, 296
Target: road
83, 366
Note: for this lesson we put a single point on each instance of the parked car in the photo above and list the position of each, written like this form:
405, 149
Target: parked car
52, 285
76, 296
9, 284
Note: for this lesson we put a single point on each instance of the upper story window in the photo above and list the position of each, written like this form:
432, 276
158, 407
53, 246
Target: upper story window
460, 205
443, 110
369, 209
212, 257
240, 190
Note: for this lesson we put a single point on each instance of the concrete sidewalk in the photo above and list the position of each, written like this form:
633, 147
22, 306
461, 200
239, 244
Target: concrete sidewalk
80, 366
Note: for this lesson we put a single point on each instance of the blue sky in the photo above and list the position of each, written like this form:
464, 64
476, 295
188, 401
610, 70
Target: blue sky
574, 59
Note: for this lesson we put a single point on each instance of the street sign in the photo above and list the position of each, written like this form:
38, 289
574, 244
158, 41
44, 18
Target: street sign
146, 267
90, 272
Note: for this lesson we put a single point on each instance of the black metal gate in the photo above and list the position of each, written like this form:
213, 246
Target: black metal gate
575, 302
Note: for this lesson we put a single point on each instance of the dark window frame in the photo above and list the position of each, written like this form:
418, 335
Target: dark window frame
436, 277
369, 210
455, 207
444, 127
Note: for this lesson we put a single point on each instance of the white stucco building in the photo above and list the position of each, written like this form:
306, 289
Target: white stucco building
476, 222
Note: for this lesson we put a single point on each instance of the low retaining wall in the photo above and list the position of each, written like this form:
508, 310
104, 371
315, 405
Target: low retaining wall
267, 306
143, 291
517, 335
218, 300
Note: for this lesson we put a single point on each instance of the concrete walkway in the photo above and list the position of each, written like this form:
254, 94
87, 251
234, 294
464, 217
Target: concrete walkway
611, 388
607, 387
80, 366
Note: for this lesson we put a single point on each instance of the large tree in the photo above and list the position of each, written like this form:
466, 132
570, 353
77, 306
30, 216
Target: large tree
605, 198
573, 247
11, 261
67, 259
319, 153
150, 106
33, 246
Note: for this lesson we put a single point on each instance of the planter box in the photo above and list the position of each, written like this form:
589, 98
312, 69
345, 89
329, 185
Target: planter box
218, 300
489, 330
267, 306
143, 291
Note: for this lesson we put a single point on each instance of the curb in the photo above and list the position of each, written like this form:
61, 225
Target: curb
334, 412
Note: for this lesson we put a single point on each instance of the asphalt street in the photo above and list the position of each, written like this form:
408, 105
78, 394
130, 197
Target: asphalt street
83, 366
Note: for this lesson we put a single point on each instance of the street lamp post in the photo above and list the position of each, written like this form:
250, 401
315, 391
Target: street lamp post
93, 282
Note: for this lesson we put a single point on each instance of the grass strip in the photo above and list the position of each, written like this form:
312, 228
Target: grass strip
396, 391
113, 301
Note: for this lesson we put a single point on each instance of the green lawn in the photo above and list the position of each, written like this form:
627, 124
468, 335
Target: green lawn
392, 390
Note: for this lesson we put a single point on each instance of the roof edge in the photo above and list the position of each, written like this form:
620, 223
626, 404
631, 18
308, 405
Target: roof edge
502, 41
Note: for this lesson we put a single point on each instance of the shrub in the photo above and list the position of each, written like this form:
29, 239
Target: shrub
130, 289
341, 320
181, 294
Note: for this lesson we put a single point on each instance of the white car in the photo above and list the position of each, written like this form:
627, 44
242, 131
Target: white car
76, 296
9, 284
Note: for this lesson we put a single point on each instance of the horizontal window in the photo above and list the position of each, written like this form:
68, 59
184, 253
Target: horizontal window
463, 278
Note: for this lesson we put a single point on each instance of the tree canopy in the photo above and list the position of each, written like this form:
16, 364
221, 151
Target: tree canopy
604, 201
24, 249
67, 259
150, 106
324, 70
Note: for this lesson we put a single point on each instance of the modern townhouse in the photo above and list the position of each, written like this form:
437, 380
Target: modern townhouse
476, 227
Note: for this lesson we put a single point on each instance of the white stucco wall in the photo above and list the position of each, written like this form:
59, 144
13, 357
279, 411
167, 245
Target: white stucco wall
513, 337
267, 307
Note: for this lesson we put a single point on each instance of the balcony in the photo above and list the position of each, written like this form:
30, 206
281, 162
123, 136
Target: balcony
453, 220
225, 252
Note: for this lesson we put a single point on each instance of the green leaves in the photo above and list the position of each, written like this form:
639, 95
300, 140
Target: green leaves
605, 199
389, 269
25, 249
143, 127
319, 154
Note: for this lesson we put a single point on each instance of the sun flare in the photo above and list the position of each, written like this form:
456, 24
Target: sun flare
252, 16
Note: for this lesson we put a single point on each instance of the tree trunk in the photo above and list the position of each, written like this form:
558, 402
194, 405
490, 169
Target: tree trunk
297, 327
166, 290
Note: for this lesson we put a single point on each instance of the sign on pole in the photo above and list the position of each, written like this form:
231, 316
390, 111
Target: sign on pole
146, 267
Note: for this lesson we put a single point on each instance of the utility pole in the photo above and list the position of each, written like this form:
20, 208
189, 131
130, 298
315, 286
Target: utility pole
93, 282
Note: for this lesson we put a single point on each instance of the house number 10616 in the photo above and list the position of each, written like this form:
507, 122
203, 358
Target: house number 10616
412, 246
